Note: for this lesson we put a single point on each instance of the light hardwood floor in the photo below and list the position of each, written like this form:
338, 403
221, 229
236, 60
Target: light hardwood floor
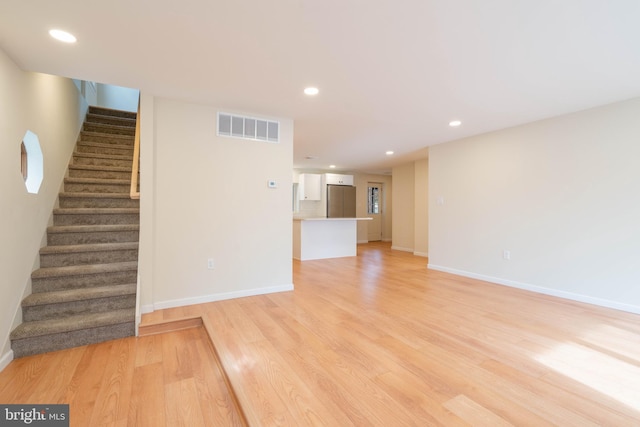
370, 340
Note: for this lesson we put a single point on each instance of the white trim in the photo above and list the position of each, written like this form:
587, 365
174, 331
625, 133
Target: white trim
138, 313
144, 309
424, 254
399, 248
6, 359
387, 240
360, 242
541, 290
219, 297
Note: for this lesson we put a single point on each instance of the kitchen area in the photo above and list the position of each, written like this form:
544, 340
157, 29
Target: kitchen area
325, 224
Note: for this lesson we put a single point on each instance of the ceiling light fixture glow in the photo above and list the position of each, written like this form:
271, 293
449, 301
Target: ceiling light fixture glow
311, 91
332, 166
455, 123
388, 153
63, 36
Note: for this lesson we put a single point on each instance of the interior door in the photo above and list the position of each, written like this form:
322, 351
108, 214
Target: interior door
374, 211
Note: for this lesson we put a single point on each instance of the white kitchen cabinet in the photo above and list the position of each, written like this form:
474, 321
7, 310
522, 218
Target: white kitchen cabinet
338, 179
310, 186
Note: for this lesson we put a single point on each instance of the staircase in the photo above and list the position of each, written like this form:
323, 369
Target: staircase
85, 289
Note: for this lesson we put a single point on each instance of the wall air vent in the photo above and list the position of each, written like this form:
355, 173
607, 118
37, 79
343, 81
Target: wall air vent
248, 128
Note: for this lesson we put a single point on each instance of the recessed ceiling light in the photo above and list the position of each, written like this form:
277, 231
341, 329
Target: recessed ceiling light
332, 166
388, 153
311, 91
455, 123
62, 36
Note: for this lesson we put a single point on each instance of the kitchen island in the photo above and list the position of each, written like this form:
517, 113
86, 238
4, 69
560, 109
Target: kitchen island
319, 238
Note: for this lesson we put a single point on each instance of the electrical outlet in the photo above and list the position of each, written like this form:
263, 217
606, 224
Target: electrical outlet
506, 255
210, 264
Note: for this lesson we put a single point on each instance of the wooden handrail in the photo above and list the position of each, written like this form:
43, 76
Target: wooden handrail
135, 167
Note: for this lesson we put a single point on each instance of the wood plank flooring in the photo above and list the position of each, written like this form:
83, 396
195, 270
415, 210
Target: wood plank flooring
373, 340
161, 380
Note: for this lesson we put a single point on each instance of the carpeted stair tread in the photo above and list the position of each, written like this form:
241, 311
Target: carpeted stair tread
109, 119
80, 294
79, 270
104, 111
94, 247
92, 228
102, 168
81, 195
103, 156
124, 139
107, 128
74, 180
125, 147
73, 323
85, 211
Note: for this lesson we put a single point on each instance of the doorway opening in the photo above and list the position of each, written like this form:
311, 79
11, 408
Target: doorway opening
375, 211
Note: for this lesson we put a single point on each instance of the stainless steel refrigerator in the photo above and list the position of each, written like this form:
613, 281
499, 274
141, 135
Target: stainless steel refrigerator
341, 201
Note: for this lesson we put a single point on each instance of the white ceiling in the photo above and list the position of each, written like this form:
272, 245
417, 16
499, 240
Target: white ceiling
391, 74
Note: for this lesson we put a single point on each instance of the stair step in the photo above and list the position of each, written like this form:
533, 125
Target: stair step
96, 185
103, 111
104, 172
72, 331
95, 247
102, 159
50, 279
96, 216
91, 234
82, 270
104, 148
107, 138
67, 255
56, 304
69, 295
109, 129
110, 120
97, 200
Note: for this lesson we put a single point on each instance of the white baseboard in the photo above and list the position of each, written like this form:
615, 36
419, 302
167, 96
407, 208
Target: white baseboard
541, 290
148, 308
362, 241
6, 359
424, 254
217, 297
400, 248
386, 240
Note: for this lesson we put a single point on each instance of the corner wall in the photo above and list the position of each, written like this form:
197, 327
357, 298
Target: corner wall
205, 196
410, 207
53, 109
561, 195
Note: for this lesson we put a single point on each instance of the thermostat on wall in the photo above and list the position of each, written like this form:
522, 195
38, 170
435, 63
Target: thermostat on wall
272, 183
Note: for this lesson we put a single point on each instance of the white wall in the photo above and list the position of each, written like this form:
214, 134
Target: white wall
562, 195
205, 196
53, 109
117, 97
